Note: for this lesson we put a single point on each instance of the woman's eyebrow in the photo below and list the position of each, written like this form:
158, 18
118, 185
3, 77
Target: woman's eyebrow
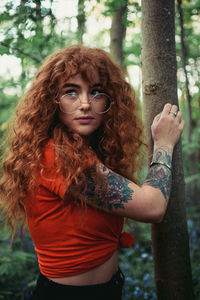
70, 85
78, 86
96, 85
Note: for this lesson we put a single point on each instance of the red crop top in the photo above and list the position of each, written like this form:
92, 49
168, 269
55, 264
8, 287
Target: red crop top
68, 242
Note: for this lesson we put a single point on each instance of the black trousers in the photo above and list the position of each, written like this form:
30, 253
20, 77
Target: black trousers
49, 290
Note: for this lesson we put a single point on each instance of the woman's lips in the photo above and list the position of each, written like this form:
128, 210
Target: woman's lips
84, 120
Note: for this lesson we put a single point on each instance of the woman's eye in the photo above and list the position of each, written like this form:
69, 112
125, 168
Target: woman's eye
96, 92
71, 93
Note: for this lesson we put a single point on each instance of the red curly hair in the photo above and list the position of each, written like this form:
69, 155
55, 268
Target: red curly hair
116, 143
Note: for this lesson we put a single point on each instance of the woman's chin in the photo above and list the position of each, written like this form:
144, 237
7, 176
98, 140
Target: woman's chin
85, 132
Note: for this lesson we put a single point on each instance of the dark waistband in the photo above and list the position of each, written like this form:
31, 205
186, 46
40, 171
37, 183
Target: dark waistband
117, 278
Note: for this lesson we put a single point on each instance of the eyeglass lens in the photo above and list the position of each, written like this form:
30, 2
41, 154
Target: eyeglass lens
100, 103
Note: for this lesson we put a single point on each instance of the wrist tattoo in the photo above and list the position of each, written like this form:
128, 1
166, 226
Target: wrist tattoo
162, 156
159, 175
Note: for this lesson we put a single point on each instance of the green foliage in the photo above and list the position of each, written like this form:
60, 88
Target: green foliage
30, 33
7, 104
112, 5
194, 233
18, 266
137, 264
133, 57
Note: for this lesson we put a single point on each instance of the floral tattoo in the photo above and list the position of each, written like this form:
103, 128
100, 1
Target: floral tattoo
113, 191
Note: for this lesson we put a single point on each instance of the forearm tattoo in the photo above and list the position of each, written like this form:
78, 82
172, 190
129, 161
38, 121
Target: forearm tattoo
162, 155
159, 175
112, 192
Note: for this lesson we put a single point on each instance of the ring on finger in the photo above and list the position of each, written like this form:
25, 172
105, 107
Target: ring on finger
173, 112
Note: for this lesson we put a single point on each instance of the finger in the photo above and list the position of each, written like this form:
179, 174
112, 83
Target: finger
157, 117
173, 111
179, 116
181, 125
166, 109
174, 108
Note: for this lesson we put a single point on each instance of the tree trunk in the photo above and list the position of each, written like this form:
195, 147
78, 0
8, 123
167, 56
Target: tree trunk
184, 62
170, 238
23, 2
117, 33
191, 154
39, 27
81, 20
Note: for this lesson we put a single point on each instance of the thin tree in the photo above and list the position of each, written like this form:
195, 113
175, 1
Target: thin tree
184, 63
170, 238
118, 31
191, 154
81, 19
39, 27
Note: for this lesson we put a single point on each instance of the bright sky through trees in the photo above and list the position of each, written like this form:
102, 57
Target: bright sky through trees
66, 12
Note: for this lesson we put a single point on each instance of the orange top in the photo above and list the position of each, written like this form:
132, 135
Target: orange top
67, 241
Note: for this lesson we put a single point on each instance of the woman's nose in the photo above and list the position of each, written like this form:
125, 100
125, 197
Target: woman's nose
84, 102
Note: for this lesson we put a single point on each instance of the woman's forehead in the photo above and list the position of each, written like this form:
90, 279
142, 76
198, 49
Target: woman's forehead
91, 78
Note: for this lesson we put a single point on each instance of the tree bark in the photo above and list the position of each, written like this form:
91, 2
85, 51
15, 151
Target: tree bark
117, 33
170, 238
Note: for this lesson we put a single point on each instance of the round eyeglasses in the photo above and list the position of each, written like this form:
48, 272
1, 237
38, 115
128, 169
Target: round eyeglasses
100, 103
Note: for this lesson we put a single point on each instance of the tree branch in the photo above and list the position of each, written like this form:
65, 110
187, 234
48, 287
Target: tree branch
21, 52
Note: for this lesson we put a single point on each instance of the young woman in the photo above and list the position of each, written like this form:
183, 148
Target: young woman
71, 171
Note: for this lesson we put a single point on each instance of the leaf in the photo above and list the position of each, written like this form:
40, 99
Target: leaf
4, 269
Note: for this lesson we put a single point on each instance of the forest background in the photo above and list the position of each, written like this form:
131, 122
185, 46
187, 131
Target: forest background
32, 29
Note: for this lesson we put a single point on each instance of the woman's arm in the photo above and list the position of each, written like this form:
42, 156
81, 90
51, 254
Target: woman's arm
123, 197
147, 203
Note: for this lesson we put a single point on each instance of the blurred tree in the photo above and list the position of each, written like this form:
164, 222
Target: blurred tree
184, 63
132, 42
170, 238
192, 153
81, 18
118, 31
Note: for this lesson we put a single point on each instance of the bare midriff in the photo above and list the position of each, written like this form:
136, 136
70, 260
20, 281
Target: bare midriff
100, 274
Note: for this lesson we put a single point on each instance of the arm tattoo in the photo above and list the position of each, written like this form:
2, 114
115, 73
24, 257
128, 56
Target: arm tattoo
111, 192
159, 175
162, 155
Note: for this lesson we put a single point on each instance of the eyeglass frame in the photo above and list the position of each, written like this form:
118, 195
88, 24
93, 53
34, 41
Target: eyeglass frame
90, 102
